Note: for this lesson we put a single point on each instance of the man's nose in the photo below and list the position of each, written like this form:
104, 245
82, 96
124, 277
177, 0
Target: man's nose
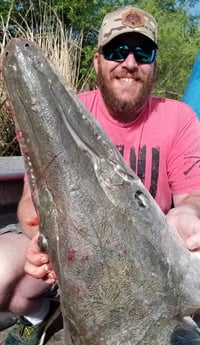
130, 62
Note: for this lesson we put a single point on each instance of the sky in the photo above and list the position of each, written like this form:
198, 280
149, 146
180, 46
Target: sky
196, 9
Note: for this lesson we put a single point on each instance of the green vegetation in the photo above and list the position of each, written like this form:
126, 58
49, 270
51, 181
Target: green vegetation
67, 31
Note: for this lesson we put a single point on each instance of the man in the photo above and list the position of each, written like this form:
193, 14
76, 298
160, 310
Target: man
159, 138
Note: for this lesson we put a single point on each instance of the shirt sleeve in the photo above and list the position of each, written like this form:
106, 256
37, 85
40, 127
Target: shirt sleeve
184, 155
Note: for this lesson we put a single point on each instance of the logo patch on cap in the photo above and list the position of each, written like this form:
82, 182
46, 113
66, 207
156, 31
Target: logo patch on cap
133, 18
126, 20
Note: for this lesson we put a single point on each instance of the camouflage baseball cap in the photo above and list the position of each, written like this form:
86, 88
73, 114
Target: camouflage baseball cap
124, 20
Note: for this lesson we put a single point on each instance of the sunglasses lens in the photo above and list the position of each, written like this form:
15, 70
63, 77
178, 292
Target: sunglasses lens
115, 54
120, 53
144, 55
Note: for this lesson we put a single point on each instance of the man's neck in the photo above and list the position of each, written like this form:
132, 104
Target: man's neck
125, 117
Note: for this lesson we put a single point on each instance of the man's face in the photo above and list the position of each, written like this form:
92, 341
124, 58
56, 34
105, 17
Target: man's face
125, 85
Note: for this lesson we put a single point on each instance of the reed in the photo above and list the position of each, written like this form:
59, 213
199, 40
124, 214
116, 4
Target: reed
61, 45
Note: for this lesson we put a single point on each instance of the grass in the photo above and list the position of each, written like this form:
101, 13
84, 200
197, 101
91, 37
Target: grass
62, 47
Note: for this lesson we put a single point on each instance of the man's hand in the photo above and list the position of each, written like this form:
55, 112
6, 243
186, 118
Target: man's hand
37, 263
26, 213
185, 220
33, 220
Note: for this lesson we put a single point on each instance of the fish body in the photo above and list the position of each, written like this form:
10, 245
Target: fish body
125, 276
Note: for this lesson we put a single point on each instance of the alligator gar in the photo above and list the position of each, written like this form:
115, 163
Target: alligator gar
125, 275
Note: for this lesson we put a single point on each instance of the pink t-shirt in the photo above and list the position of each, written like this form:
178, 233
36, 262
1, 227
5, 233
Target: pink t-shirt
162, 145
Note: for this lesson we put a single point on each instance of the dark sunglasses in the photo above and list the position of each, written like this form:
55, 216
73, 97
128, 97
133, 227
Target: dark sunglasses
120, 53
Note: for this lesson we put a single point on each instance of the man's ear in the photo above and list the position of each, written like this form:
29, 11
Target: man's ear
96, 62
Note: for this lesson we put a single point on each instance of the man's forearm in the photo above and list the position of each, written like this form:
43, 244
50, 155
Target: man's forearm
190, 201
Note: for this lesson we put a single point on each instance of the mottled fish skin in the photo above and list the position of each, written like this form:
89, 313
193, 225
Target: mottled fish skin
125, 276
